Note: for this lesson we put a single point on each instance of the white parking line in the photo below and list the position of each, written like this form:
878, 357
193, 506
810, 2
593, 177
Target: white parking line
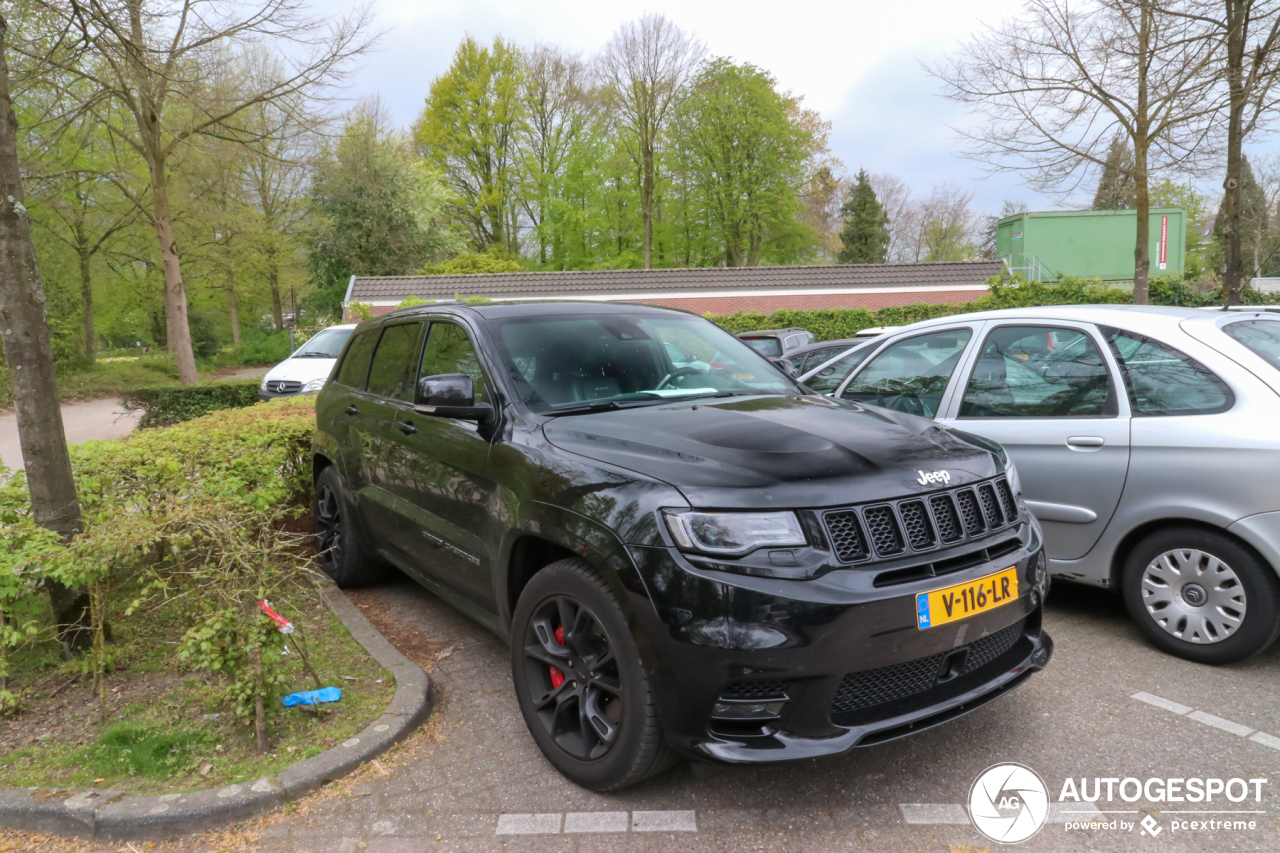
673, 821
927, 813
578, 822
1219, 723
529, 824
1266, 739
595, 822
1162, 703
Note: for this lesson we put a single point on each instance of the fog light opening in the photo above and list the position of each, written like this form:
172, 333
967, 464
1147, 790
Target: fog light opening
753, 711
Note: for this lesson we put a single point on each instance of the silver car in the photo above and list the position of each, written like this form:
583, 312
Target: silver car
1146, 440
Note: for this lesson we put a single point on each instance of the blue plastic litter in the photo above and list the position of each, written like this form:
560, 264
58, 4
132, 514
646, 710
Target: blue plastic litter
312, 697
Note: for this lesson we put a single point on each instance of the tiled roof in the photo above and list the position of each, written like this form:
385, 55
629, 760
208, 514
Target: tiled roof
515, 285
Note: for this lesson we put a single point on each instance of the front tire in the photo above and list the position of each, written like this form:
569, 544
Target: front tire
1202, 596
580, 683
338, 546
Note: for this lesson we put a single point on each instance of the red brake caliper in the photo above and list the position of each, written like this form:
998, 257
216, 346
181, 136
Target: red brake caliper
557, 677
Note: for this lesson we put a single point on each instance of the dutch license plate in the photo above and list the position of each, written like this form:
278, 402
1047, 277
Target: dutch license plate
966, 599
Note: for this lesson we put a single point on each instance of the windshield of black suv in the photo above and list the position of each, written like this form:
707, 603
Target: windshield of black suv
326, 344
1261, 336
768, 347
583, 362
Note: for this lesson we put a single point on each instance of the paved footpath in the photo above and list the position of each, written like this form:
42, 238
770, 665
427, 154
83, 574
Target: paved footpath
1108, 706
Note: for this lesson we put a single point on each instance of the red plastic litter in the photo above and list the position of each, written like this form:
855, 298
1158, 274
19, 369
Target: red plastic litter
557, 677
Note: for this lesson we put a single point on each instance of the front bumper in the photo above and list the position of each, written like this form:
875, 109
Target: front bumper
848, 658
264, 395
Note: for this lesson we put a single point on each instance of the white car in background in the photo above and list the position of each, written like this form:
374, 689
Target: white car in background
306, 370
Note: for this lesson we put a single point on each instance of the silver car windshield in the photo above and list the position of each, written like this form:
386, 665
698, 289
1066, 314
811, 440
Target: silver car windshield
1260, 336
565, 363
326, 344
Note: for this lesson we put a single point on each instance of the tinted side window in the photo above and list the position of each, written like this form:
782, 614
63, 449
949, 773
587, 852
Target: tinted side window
1163, 381
1038, 372
392, 372
829, 379
911, 375
1261, 336
355, 366
449, 350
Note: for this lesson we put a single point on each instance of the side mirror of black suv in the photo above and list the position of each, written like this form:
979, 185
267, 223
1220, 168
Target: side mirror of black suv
450, 395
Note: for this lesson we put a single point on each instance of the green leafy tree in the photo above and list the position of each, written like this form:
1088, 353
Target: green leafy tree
1116, 187
471, 130
865, 236
742, 158
377, 209
1255, 222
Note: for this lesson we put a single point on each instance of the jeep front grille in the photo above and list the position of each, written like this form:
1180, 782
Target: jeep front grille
916, 524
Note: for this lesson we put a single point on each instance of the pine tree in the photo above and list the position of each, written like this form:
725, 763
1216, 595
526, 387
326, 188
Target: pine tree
865, 237
1116, 189
1255, 223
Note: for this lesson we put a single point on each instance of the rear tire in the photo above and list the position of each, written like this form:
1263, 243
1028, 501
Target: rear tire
1202, 596
340, 551
593, 716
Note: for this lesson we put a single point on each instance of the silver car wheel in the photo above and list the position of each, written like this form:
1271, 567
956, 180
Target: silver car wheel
1194, 596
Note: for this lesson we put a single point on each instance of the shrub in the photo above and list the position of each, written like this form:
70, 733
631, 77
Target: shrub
167, 406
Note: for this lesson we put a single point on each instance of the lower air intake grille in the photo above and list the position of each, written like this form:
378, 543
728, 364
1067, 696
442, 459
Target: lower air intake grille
860, 690
846, 536
759, 690
990, 647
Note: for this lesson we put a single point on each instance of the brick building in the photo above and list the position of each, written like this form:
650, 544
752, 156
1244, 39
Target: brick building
717, 290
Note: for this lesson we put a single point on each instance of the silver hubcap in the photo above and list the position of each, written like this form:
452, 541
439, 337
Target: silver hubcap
1194, 596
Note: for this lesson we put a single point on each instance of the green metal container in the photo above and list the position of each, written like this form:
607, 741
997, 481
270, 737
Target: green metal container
1090, 243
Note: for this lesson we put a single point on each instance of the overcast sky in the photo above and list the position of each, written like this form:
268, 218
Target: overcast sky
857, 62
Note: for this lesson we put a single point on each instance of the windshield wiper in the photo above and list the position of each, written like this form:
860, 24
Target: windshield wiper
602, 406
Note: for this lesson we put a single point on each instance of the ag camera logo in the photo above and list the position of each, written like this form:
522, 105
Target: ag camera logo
1008, 803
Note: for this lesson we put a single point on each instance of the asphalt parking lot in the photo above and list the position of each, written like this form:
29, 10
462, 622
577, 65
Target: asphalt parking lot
484, 785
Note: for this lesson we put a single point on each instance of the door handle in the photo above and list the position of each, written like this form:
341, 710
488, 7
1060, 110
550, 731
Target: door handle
407, 427
352, 410
1086, 441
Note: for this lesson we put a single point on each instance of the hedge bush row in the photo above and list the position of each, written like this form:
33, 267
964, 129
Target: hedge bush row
837, 323
167, 406
188, 522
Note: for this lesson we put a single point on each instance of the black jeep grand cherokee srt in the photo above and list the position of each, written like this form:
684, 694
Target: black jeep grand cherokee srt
688, 553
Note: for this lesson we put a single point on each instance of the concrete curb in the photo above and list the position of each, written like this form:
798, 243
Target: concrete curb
114, 816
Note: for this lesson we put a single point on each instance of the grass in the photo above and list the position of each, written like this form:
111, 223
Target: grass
163, 726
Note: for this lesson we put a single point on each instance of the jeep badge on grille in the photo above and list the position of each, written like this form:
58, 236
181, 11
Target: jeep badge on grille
933, 477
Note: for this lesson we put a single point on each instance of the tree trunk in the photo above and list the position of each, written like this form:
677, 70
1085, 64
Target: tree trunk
646, 204
273, 278
86, 300
1141, 149
29, 354
175, 293
1233, 271
233, 308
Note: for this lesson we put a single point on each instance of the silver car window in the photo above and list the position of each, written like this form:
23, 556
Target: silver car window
829, 378
1039, 372
1163, 381
911, 375
1260, 336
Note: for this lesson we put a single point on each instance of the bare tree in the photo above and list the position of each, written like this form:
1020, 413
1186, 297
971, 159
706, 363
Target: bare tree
642, 69
29, 354
1249, 35
895, 198
149, 63
1057, 85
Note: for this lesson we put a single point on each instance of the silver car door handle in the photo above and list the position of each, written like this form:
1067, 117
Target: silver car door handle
1086, 441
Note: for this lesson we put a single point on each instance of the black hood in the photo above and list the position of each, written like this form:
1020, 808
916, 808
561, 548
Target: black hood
764, 452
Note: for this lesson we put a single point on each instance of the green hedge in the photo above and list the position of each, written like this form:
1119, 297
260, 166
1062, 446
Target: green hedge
167, 406
837, 323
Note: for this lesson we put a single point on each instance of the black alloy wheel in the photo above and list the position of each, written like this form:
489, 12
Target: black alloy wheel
338, 546
572, 676
580, 683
